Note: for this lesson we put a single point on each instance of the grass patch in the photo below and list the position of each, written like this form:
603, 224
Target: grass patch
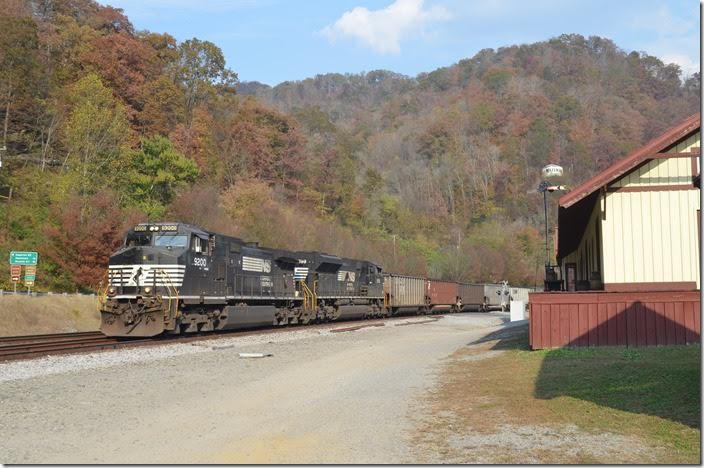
604, 405
27, 315
658, 381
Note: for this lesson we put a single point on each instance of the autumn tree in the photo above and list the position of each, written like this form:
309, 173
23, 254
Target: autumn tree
200, 205
18, 66
96, 135
84, 235
200, 69
164, 46
259, 142
124, 64
163, 107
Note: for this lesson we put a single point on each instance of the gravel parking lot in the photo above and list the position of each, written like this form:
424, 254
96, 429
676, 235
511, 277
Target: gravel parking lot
321, 398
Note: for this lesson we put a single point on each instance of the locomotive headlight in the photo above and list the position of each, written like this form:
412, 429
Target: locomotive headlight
112, 291
147, 290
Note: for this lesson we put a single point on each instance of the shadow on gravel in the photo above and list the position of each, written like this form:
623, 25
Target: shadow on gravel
515, 337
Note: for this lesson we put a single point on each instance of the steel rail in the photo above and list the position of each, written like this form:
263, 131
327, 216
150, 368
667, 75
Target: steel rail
30, 346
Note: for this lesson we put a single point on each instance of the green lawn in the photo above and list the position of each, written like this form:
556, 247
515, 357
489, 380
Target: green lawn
650, 394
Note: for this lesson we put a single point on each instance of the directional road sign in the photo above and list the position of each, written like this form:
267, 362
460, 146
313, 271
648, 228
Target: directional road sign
23, 258
30, 270
29, 278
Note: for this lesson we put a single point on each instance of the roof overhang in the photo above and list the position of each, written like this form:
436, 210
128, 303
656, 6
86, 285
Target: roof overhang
617, 170
576, 207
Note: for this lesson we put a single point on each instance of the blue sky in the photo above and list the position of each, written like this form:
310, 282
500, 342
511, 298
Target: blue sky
277, 40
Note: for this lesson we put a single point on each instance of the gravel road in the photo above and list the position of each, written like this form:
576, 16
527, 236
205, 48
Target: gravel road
321, 398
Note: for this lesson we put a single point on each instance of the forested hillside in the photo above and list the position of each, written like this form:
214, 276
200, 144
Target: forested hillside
106, 126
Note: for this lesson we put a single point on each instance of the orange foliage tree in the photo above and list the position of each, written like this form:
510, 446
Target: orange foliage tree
81, 241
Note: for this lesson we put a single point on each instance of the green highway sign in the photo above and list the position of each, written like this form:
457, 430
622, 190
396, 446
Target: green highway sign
23, 258
29, 278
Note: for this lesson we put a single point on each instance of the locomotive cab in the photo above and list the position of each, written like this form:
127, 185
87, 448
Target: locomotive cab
146, 277
152, 259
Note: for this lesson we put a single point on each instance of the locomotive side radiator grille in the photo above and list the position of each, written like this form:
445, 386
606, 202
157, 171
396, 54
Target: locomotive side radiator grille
146, 275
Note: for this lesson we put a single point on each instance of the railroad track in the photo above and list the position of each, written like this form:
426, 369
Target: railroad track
30, 346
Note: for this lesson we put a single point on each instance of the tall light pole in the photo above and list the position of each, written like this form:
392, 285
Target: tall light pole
549, 171
394, 237
543, 188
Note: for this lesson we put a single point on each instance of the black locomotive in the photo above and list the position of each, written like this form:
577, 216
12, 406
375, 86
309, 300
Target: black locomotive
177, 278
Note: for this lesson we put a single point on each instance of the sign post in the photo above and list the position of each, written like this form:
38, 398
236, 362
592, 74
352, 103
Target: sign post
29, 259
30, 274
15, 274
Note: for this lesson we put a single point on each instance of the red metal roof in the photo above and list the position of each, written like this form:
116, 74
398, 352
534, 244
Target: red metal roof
623, 166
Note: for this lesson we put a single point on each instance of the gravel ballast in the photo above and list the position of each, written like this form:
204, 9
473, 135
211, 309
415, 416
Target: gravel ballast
321, 397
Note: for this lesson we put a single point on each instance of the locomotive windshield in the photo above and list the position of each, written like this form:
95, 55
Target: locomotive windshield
170, 240
137, 239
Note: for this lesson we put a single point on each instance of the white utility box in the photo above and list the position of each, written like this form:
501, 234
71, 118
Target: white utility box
518, 309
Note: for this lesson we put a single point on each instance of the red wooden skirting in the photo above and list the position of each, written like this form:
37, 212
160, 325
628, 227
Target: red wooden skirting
614, 318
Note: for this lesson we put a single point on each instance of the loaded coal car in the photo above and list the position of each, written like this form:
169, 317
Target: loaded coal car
442, 296
471, 297
497, 296
404, 294
177, 278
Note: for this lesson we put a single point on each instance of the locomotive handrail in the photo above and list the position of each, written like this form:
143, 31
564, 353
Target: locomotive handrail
309, 298
169, 287
315, 294
102, 292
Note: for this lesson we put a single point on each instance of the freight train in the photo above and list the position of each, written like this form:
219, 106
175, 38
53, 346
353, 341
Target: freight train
176, 278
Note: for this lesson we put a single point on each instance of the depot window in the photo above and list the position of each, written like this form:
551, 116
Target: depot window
169, 240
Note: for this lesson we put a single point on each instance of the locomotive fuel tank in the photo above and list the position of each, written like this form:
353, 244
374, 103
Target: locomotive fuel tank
248, 316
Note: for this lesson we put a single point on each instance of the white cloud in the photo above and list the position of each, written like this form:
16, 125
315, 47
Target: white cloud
663, 22
688, 66
384, 29
676, 39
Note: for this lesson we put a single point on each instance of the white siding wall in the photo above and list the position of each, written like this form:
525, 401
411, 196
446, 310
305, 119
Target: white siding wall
651, 237
646, 236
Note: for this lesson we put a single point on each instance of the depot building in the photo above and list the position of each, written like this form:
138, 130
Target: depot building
628, 251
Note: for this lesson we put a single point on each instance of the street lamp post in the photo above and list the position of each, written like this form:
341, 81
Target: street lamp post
543, 188
549, 171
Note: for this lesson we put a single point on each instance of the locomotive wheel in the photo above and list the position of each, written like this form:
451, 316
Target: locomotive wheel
207, 326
